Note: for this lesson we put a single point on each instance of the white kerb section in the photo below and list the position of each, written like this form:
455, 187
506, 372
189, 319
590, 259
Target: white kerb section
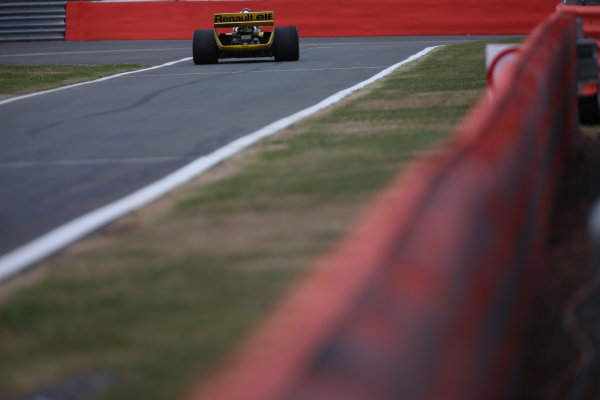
497, 58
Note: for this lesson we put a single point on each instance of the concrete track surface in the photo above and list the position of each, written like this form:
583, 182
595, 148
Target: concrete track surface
65, 153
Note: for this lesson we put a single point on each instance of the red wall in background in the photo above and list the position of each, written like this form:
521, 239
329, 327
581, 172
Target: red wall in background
178, 19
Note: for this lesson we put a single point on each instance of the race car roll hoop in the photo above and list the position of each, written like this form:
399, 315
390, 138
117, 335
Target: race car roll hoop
247, 38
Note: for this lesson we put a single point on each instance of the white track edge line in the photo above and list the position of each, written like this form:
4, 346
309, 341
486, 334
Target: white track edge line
59, 238
105, 78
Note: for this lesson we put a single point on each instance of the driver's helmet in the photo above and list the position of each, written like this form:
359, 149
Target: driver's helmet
254, 29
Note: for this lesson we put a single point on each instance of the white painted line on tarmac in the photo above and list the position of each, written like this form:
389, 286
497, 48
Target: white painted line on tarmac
57, 239
89, 162
26, 96
63, 53
374, 43
261, 71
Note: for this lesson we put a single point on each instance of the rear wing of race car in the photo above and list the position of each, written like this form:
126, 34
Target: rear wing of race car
231, 20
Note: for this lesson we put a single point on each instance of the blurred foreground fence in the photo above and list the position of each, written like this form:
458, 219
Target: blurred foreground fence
428, 296
32, 20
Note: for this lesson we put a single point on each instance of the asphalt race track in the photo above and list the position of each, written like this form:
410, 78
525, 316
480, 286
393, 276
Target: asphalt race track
68, 152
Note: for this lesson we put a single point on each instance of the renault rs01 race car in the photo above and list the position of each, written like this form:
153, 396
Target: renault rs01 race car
247, 39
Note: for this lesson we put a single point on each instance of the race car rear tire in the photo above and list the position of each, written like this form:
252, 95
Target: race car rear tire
286, 46
204, 47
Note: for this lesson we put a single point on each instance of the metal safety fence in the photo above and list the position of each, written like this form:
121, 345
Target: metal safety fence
32, 21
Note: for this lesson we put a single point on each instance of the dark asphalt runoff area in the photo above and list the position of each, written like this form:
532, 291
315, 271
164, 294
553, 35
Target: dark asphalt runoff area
65, 153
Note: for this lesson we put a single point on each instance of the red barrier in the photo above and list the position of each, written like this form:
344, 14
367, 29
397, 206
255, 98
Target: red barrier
590, 17
178, 19
428, 297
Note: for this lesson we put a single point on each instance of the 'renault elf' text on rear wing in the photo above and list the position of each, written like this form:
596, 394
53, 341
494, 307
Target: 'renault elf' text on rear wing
262, 18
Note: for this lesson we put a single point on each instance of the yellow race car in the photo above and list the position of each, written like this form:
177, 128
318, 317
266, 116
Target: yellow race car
247, 39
